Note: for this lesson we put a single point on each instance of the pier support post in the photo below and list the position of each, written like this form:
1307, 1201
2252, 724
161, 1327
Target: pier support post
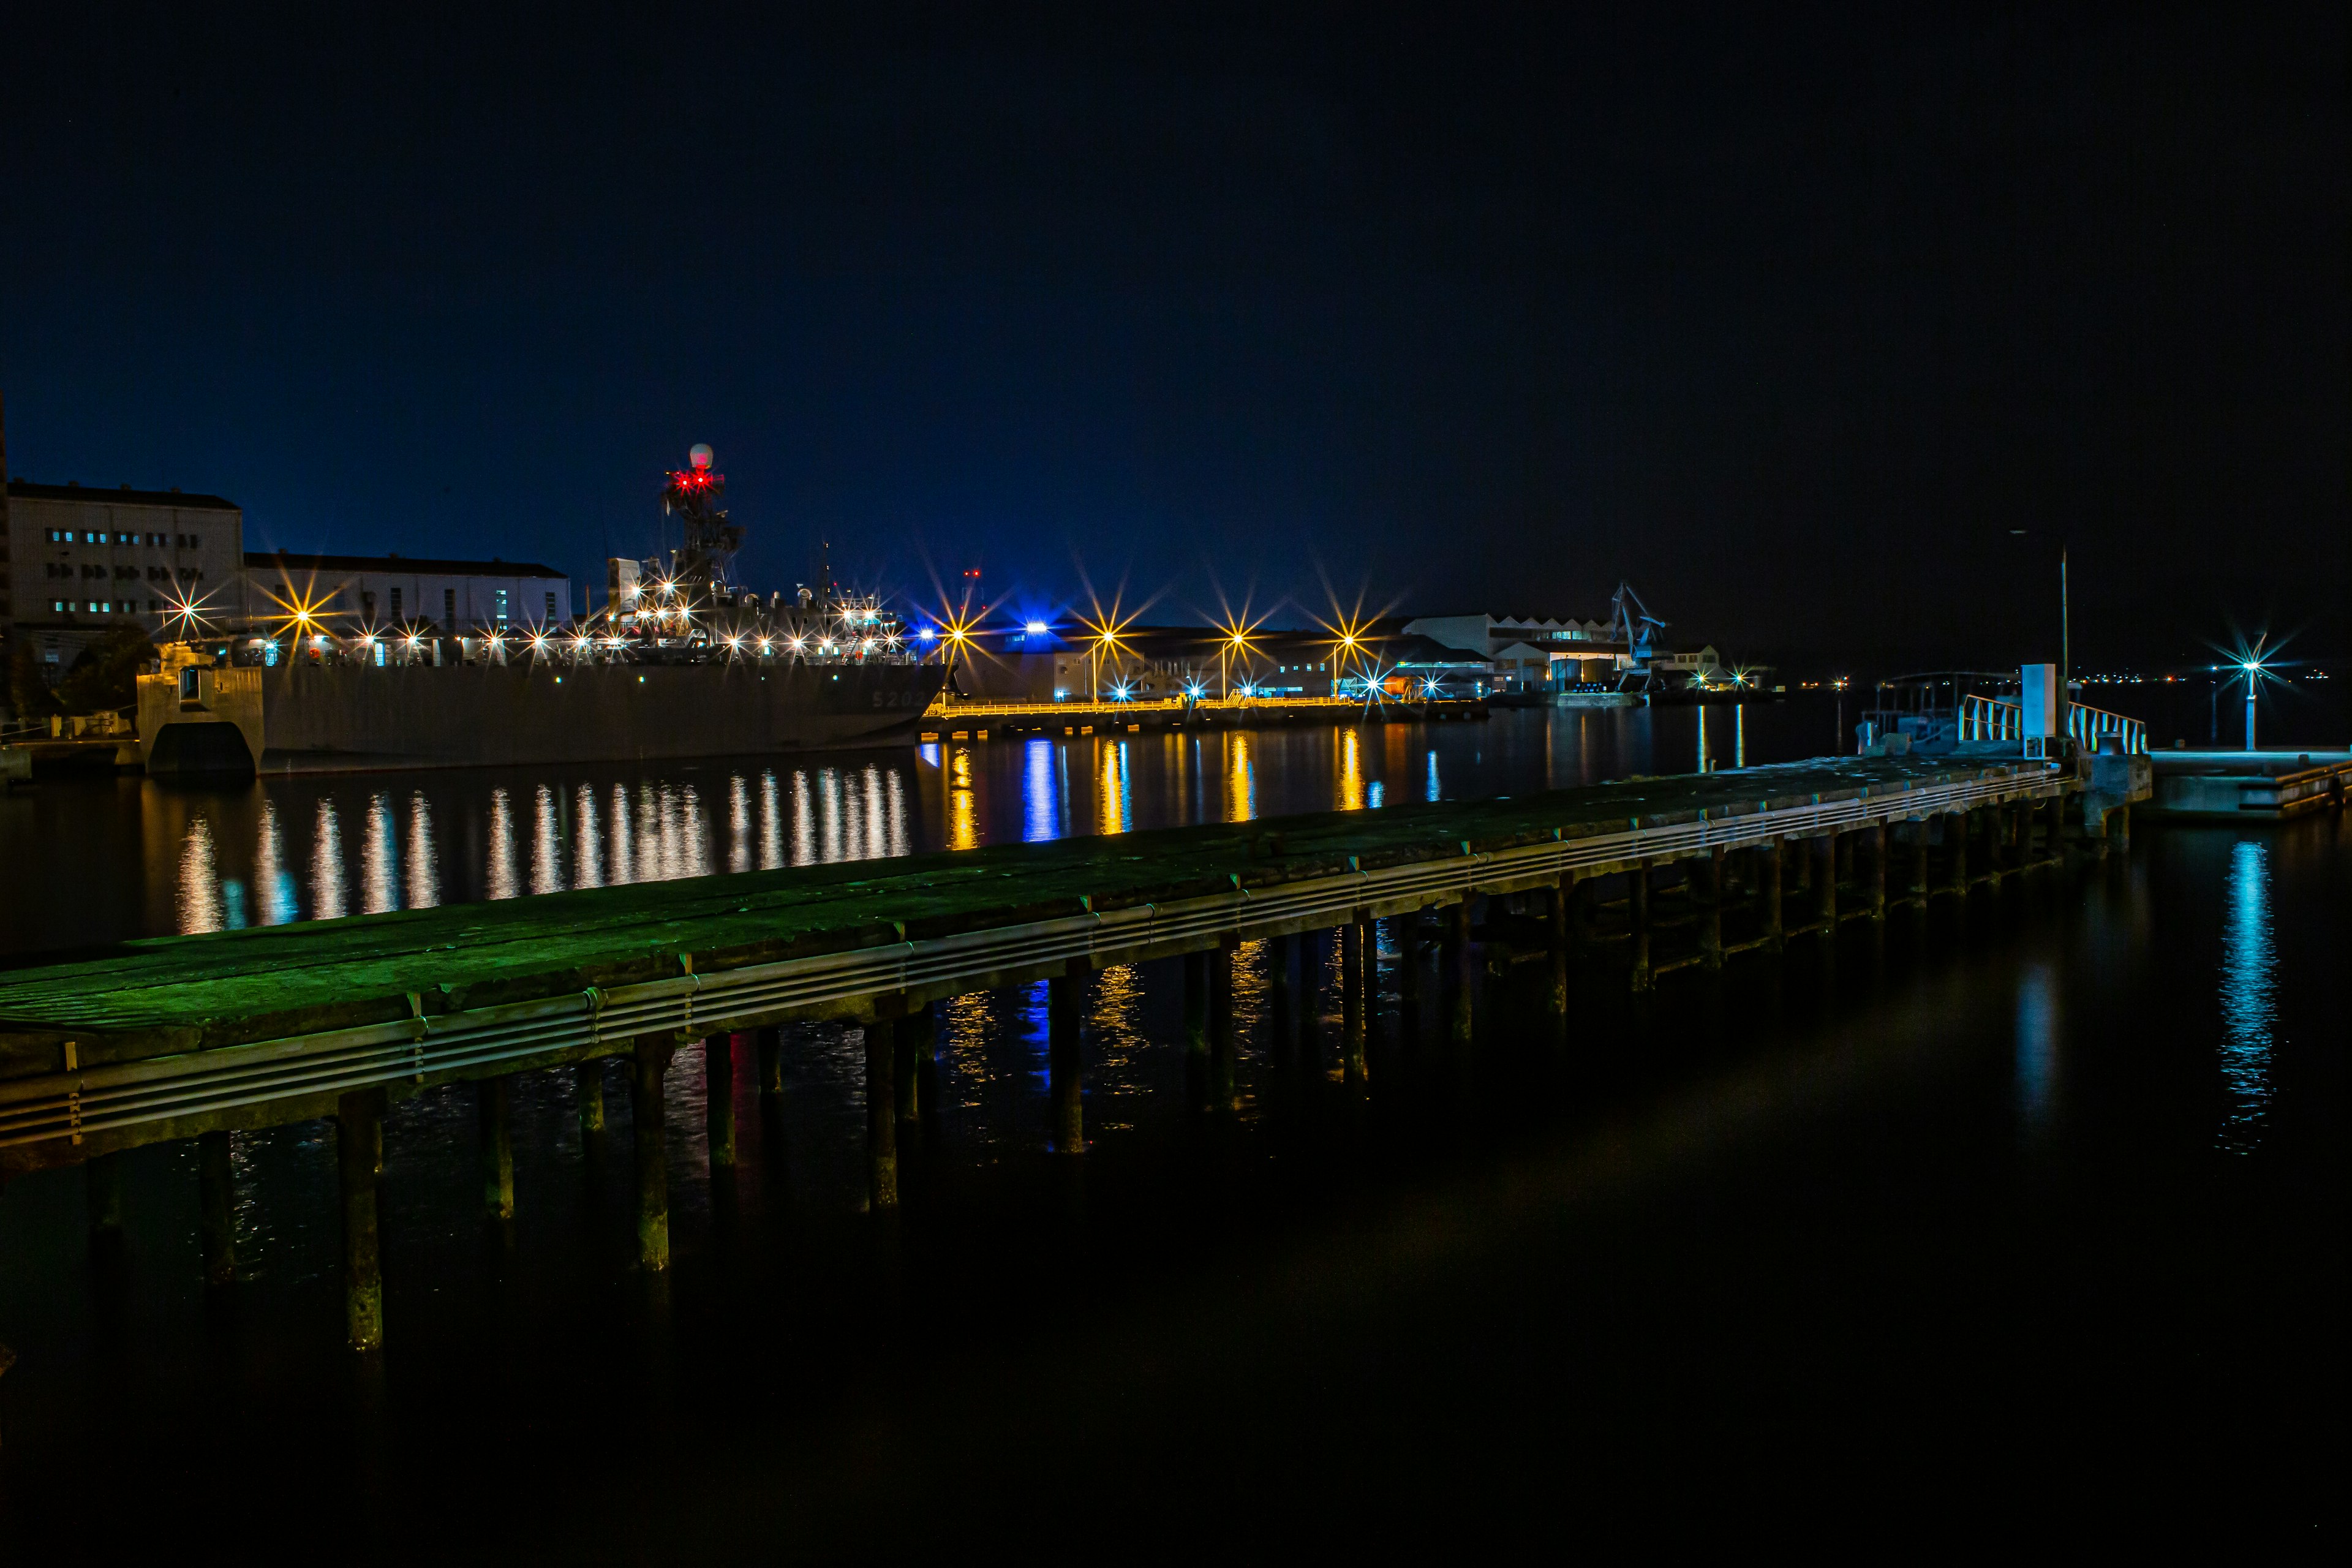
1768, 892
1709, 874
772, 1060
1825, 880
101, 1177
358, 1156
881, 1116
1637, 910
648, 1065
918, 1049
1065, 1058
1563, 892
1919, 862
1877, 893
1465, 976
1281, 954
493, 1113
1196, 1027
216, 1207
1351, 1000
588, 1096
1955, 831
1842, 857
719, 1099
1220, 967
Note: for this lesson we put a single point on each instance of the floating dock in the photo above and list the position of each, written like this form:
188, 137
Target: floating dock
2242, 786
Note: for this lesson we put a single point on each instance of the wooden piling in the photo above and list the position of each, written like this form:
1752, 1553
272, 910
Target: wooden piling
1464, 977
881, 1116
1876, 893
588, 1097
358, 1156
216, 1207
719, 1099
1065, 1060
1825, 880
1281, 956
1351, 1000
1955, 838
1768, 894
1918, 888
1707, 873
1637, 910
772, 1060
492, 1110
1563, 894
648, 1064
102, 1187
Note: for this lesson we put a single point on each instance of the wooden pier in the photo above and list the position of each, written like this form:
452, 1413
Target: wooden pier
201, 1036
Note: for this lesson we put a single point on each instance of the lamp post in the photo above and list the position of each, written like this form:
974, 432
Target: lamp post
2066, 640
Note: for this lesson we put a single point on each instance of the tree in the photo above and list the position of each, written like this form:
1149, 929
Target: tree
105, 675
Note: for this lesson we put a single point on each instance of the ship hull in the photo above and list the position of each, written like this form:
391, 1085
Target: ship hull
347, 718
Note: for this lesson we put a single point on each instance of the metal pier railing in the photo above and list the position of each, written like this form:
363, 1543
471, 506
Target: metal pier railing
421, 1049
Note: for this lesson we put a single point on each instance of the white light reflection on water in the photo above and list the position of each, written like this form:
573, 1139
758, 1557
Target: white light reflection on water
269, 872
200, 904
623, 862
1430, 790
2037, 1049
587, 848
739, 825
502, 884
546, 856
771, 835
327, 864
2249, 995
877, 833
803, 827
828, 794
379, 860
1038, 816
424, 854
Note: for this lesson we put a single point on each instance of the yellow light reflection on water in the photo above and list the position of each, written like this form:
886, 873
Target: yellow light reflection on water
1241, 778
1351, 771
964, 815
1114, 801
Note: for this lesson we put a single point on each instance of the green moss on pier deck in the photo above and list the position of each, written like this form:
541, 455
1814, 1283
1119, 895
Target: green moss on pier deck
176, 993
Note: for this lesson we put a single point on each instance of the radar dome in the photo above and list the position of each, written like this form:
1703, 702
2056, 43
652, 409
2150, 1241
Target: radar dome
699, 455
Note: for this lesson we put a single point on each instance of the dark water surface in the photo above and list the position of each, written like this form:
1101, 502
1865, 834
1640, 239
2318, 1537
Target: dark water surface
2030, 1209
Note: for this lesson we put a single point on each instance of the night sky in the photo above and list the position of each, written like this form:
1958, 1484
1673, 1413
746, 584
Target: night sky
1789, 320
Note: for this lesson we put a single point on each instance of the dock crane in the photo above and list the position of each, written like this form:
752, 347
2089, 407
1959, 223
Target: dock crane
1630, 623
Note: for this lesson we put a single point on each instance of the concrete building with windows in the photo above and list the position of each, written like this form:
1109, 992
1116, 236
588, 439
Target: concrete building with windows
1528, 653
345, 594
81, 561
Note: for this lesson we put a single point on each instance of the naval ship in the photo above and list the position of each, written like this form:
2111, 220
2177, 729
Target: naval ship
679, 663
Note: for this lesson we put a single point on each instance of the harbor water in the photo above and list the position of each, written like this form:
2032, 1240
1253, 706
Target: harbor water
2031, 1203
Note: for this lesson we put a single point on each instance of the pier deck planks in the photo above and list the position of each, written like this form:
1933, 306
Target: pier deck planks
167, 994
